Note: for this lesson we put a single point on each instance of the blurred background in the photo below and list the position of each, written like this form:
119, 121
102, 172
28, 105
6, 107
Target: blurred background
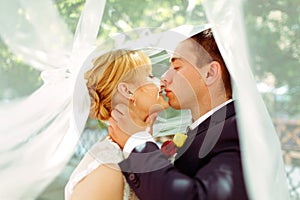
273, 32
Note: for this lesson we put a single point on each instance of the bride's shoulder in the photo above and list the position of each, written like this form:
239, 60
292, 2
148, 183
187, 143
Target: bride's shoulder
107, 151
102, 152
100, 159
105, 143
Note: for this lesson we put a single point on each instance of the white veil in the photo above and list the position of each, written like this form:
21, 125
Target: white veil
39, 133
261, 151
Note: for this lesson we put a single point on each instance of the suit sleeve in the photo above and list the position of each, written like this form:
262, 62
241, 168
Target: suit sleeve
152, 176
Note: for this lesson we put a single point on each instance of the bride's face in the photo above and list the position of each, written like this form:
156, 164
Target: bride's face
148, 96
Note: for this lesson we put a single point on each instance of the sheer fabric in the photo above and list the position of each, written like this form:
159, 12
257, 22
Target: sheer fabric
39, 133
261, 152
103, 152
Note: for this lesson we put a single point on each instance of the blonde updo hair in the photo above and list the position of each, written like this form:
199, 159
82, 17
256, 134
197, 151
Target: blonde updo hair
108, 71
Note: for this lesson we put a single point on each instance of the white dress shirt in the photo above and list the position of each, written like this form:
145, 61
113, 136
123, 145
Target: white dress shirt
208, 114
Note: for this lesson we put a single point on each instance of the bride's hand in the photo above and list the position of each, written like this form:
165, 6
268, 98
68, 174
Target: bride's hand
125, 123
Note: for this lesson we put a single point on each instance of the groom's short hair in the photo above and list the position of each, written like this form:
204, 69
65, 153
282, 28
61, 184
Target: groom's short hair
209, 52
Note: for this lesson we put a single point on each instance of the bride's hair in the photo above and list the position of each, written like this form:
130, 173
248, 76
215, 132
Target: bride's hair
108, 71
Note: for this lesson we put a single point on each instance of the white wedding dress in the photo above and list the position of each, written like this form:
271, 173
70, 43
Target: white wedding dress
103, 152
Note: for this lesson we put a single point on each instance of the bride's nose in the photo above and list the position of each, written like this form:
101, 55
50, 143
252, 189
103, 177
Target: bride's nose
156, 81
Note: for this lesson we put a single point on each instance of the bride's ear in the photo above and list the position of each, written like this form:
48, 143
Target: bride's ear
123, 89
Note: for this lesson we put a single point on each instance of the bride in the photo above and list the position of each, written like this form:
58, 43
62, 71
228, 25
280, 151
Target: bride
120, 76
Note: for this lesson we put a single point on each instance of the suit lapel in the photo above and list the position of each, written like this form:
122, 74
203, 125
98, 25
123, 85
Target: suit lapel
211, 129
217, 117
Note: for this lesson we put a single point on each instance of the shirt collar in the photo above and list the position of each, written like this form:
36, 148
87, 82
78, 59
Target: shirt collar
208, 114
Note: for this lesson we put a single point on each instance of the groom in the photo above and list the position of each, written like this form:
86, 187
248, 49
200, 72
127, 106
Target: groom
208, 165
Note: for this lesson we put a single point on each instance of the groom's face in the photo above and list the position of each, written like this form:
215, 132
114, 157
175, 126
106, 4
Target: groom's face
183, 81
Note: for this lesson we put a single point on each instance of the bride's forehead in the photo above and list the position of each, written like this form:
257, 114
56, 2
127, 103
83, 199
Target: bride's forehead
143, 69
142, 75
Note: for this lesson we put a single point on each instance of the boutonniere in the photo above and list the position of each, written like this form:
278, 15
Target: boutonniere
169, 147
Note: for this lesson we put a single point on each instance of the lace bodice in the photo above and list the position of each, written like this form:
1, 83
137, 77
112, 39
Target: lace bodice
103, 152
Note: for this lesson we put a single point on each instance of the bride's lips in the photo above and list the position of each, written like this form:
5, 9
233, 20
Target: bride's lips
160, 93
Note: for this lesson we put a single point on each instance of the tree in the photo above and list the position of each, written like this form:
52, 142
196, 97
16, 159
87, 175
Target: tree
17, 79
273, 32
272, 26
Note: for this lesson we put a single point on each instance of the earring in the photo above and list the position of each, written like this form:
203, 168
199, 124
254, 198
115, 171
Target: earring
132, 99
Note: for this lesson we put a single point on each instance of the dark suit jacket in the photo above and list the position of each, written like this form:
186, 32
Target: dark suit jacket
208, 166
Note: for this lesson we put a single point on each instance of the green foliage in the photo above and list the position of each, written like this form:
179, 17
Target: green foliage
273, 32
123, 16
70, 11
272, 26
16, 78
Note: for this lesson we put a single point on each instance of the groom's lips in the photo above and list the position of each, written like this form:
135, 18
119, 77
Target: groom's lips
168, 91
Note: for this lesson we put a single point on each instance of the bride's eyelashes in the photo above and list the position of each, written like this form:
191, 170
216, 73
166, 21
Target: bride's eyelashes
151, 76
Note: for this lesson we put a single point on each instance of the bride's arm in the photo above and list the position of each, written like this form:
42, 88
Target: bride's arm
104, 183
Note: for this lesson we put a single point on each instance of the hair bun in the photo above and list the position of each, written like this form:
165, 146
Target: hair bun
94, 108
99, 108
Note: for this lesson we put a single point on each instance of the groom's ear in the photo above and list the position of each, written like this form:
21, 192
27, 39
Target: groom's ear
213, 72
123, 89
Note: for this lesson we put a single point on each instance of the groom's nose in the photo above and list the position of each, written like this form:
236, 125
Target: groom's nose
166, 78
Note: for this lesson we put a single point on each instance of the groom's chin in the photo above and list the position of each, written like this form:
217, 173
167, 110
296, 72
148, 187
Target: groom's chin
157, 108
174, 104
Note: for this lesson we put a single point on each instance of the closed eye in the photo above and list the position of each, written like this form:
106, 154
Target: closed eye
176, 63
151, 76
